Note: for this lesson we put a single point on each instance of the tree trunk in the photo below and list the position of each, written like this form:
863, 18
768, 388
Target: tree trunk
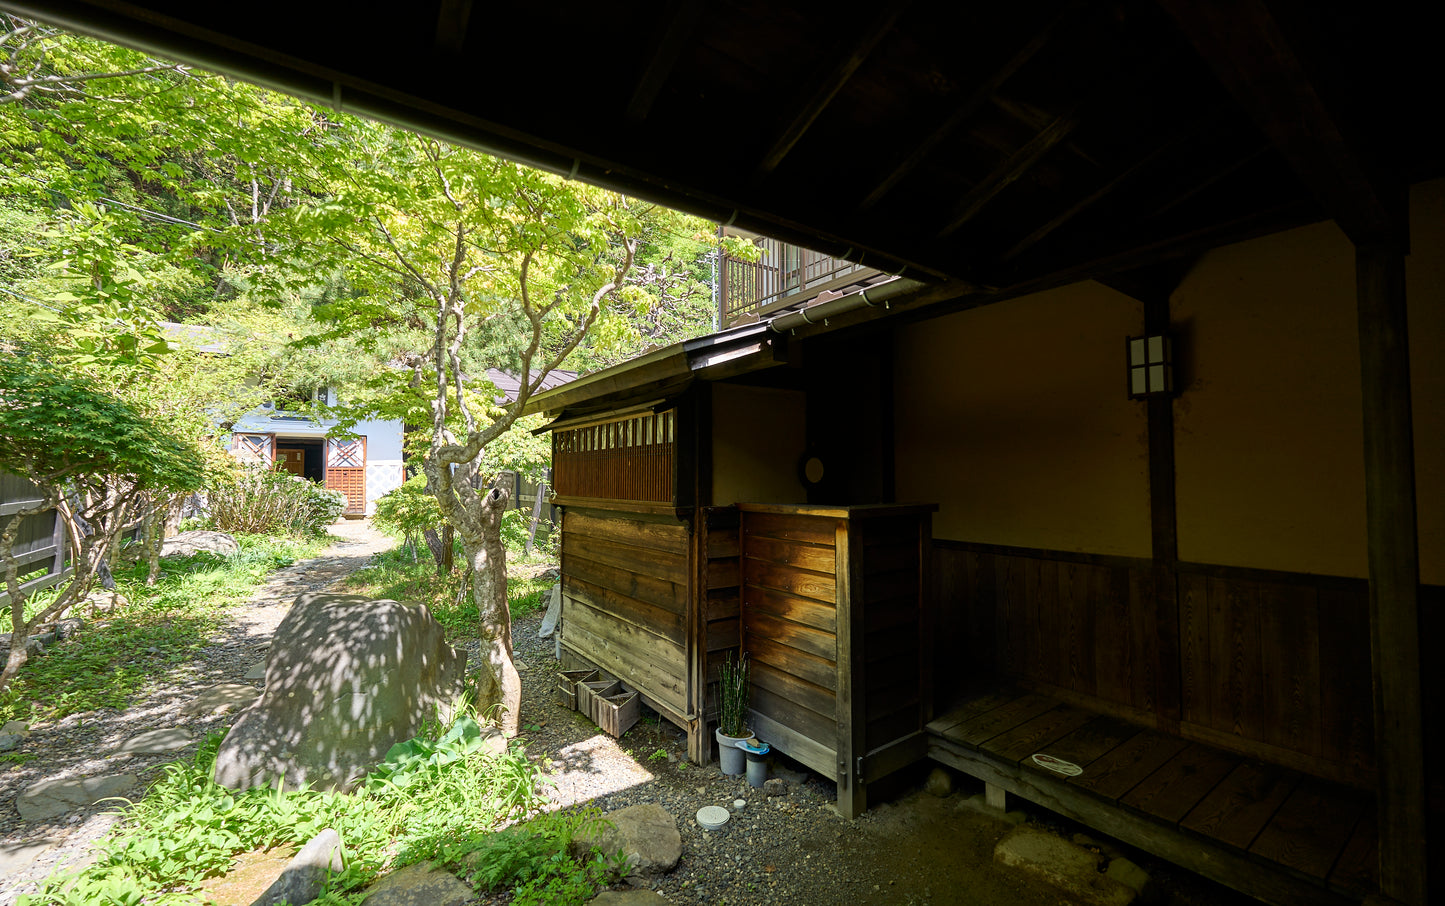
441, 548
500, 684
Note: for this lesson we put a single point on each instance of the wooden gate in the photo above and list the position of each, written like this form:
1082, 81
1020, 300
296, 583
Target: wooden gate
346, 472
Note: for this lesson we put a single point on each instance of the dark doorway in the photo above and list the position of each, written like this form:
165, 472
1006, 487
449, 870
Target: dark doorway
304, 458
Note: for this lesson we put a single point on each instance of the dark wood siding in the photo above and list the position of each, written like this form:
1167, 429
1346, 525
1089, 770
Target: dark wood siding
625, 592
1272, 665
633, 458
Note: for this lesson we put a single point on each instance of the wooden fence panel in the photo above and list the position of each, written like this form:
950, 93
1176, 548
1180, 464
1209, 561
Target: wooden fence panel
41, 546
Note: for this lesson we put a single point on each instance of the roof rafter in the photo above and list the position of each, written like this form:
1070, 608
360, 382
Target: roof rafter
965, 109
1252, 55
824, 92
669, 49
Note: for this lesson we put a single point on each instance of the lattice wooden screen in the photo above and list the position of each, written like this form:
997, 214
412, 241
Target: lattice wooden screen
346, 472
628, 459
253, 448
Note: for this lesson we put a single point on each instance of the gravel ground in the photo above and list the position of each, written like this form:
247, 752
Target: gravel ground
788, 849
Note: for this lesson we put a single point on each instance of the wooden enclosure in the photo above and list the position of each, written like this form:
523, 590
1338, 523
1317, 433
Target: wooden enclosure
835, 618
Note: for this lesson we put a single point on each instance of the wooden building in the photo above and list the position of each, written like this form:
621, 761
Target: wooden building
1212, 599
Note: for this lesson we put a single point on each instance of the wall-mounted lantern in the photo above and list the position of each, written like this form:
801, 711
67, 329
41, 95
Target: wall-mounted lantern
1151, 366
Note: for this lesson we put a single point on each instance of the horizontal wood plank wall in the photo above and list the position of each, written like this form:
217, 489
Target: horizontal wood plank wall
624, 598
718, 586
1273, 665
789, 629
895, 630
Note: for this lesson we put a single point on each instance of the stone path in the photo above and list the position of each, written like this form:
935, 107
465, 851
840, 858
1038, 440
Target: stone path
48, 815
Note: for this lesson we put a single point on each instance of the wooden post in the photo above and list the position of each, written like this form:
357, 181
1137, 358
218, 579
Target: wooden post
536, 513
851, 657
1163, 530
1394, 560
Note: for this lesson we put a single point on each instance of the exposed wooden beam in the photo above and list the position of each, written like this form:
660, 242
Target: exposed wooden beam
1019, 163
965, 109
824, 92
1251, 54
680, 27
1104, 189
452, 18
1214, 178
1036, 119
1394, 558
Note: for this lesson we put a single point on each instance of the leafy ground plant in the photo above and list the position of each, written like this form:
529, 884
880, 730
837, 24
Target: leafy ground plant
116, 658
438, 797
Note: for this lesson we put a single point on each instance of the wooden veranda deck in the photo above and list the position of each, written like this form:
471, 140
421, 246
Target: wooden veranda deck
1273, 833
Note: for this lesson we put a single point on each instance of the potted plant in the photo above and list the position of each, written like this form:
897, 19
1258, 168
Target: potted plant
733, 694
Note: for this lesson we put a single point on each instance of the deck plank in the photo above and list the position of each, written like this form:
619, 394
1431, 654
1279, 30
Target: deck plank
1172, 791
1239, 808
1032, 735
970, 709
986, 726
1358, 868
1092, 741
1120, 770
1312, 828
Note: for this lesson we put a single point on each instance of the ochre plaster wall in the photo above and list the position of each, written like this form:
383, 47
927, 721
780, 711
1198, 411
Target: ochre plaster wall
759, 435
1014, 418
1268, 431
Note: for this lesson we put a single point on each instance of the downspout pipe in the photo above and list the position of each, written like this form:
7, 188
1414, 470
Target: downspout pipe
872, 297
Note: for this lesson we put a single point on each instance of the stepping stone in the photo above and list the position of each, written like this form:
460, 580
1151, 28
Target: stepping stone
50, 798
646, 834
257, 672
16, 855
417, 884
628, 898
156, 742
225, 697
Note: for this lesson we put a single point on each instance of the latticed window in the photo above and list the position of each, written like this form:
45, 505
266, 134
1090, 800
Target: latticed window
253, 448
625, 459
347, 454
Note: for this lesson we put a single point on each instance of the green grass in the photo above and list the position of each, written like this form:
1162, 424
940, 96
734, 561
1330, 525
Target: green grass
439, 797
117, 658
397, 576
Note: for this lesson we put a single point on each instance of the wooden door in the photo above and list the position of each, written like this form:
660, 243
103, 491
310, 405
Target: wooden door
346, 472
291, 459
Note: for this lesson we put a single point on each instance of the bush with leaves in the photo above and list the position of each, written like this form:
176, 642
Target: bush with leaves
409, 511
276, 503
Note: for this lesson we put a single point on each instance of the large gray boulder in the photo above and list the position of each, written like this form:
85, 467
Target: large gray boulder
347, 678
304, 877
199, 542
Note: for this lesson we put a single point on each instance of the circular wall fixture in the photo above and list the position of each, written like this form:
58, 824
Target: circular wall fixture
811, 470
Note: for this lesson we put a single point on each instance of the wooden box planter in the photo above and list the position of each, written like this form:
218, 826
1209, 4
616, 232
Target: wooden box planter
567, 683
590, 692
617, 713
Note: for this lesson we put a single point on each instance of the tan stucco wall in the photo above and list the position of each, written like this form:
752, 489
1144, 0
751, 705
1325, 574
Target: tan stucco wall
1014, 418
759, 435
1268, 439
1268, 432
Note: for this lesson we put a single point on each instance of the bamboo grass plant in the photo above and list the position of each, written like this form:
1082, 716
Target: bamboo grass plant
734, 693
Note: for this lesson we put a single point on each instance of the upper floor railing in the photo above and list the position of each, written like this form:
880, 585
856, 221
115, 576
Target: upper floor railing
782, 272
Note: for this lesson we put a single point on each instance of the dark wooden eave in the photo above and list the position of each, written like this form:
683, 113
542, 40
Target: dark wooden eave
1002, 146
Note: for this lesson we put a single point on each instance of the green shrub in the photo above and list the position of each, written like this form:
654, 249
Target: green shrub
277, 503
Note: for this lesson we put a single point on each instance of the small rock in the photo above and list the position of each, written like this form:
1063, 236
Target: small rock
257, 672
702, 791
51, 798
156, 742
103, 600
1132, 877
422, 884
9, 742
646, 834
69, 628
304, 877
939, 782
188, 543
775, 786
224, 697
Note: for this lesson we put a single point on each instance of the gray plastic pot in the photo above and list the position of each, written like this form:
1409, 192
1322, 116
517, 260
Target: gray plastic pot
730, 757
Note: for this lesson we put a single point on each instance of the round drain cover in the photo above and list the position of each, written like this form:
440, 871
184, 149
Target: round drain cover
712, 817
